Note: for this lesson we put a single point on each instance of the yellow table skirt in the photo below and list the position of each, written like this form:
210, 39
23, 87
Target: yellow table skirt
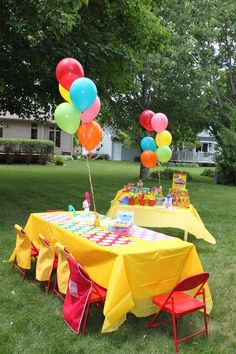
132, 274
185, 219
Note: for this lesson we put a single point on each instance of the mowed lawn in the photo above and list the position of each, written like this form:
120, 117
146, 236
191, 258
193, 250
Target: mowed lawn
32, 322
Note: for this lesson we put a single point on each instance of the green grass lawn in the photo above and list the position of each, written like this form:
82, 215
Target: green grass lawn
31, 322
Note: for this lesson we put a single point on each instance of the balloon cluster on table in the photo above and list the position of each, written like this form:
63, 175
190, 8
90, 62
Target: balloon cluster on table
82, 104
157, 149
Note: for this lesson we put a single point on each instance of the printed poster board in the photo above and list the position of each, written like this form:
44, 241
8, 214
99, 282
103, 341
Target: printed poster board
179, 181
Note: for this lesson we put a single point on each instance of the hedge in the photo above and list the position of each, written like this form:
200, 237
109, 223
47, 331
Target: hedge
26, 149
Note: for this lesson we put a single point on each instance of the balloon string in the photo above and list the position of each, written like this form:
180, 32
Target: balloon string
89, 171
159, 174
91, 184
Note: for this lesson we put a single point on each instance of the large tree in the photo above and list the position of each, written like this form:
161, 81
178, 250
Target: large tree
193, 80
105, 36
177, 57
207, 30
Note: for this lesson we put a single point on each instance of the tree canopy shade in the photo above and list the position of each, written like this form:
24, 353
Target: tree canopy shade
205, 43
193, 80
105, 36
176, 57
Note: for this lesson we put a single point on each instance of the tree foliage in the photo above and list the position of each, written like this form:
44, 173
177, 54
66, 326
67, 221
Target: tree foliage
193, 80
207, 31
177, 57
105, 36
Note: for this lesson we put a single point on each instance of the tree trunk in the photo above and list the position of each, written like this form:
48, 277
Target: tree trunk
144, 172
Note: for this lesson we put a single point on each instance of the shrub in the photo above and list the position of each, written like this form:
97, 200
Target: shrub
208, 172
76, 155
100, 156
225, 157
68, 158
59, 160
167, 173
27, 148
95, 156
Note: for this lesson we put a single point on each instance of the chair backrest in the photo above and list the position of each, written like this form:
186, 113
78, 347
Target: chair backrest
77, 270
96, 287
63, 270
192, 282
45, 260
23, 235
79, 289
23, 248
20, 231
44, 241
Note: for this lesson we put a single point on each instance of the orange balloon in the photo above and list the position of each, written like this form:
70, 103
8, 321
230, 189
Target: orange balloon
148, 158
90, 135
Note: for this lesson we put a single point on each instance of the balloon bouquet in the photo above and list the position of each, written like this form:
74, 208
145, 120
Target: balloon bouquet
82, 104
157, 150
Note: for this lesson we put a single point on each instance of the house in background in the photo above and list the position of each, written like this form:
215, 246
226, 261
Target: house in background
202, 154
13, 127
116, 150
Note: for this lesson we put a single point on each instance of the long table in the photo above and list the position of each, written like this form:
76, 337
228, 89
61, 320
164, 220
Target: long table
187, 219
132, 269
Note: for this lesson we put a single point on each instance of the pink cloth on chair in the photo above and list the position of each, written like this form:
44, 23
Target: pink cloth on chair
79, 289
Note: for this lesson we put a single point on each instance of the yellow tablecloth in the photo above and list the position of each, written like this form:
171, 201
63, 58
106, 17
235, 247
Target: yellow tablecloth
132, 273
185, 219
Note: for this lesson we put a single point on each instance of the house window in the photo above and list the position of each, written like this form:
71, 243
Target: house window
55, 136
205, 147
34, 131
1, 132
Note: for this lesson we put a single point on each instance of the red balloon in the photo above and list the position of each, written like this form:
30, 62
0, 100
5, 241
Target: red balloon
90, 135
67, 71
145, 119
148, 158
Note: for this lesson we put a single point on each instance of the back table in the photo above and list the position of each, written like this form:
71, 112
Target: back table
150, 216
132, 269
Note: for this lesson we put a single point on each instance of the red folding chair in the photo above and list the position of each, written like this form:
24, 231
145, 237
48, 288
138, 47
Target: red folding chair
178, 303
82, 292
25, 249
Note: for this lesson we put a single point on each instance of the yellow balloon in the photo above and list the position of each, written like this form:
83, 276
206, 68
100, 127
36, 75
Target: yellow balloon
65, 94
164, 138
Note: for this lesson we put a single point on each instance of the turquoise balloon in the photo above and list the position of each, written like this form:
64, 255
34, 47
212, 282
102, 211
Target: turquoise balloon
67, 117
83, 93
164, 153
148, 143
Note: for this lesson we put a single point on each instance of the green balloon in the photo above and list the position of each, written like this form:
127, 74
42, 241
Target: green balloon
164, 153
67, 117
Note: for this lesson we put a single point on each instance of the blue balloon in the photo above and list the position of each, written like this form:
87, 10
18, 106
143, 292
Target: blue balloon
83, 93
148, 143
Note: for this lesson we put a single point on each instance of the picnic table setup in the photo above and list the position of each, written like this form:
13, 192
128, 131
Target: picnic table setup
133, 269
114, 259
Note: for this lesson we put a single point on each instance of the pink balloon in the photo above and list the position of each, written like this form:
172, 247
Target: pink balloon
159, 122
92, 112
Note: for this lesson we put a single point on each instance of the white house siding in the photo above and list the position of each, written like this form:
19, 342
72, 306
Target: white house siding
105, 147
129, 154
45, 132
18, 128
66, 144
116, 150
